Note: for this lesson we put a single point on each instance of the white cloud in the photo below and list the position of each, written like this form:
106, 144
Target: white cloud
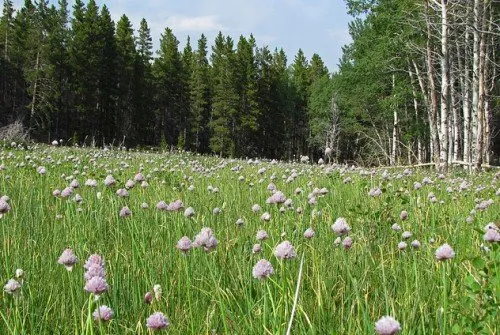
194, 23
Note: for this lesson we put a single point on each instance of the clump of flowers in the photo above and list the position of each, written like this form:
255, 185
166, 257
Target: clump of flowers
68, 259
277, 198
492, 233
176, 205
95, 276
387, 325
285, 250
262, 269
205, 239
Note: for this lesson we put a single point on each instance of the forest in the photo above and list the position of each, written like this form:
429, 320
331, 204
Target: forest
418, 84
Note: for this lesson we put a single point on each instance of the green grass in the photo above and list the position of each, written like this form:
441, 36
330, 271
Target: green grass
341, 292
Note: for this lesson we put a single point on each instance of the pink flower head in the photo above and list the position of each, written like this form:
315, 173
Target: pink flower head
309, 233
4, 206
184, 244
262, 269
340, 227
444, 252
125, 212
277, 198
95, 270
205, 239
157, 321
162, 205
262, 235
96, 285
103, 313
93, 259
68, 259
387, 325
285, 250
176, 205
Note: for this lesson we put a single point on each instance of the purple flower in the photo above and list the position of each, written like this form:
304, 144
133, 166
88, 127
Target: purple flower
56, 193
184, 244
125, 212
403, 215
444, 252
189, 212
121, 192
4, 206
74, 184
12, 287
95, 270
375, 192
262, 269
96, 285
91, 183
148, 298
277, 198
396, 227
129, 184
402, 245
256, 208
284, 250
109, 181
492, 235
103, 313
93, 259
67, 192
406, 235
161, 205
262, 235
309, 233
340, 227
205, 239
68, 259
415, 244
256, 248
347, 243
139, 177
157, 321
337, 241
387, 325
175, 206
265, 216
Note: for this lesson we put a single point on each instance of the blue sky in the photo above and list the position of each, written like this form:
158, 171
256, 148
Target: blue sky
316, 26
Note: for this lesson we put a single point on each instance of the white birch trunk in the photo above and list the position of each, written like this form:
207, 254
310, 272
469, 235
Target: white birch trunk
445, 88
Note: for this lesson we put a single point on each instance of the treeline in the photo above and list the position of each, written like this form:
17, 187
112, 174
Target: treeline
85, 79
420, 80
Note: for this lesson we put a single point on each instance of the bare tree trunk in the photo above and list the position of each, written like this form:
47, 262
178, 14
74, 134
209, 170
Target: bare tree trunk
433, 107
475, 76
456, 120
479, 152
394, 127
445, 88
415, 107
35, 86
465, 88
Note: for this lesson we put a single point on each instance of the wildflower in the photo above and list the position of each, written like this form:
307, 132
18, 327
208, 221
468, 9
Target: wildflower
175, 206
56, 193
417, 185
256, 208
157, 291
41, 170
148, 298
396, 227
55, 143
95, 270
284, 250
337, 241
205, 239
125, 212
161, 205
184, 244
216, 211
262, 235
129, 184
265, 217
109, 180
91, 182
144, 205
256, 248
96, 285
299, 210
121, 192
387, 325
4, 206
189, 212
93, 259
298, 191
415, 244
403, 215
262, 269
139, 177
375, 192
340, 227
347, 243
406, 235
309, 233
444, 252
67, 192
240, 222
492, 235
68, 259
19, 274
12, 287
277, 198
157, 321
402, 245
103, 313
74, 184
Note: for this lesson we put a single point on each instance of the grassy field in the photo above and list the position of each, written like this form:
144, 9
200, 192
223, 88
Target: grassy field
342, 290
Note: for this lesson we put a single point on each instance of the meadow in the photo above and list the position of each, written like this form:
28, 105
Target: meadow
362, 244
